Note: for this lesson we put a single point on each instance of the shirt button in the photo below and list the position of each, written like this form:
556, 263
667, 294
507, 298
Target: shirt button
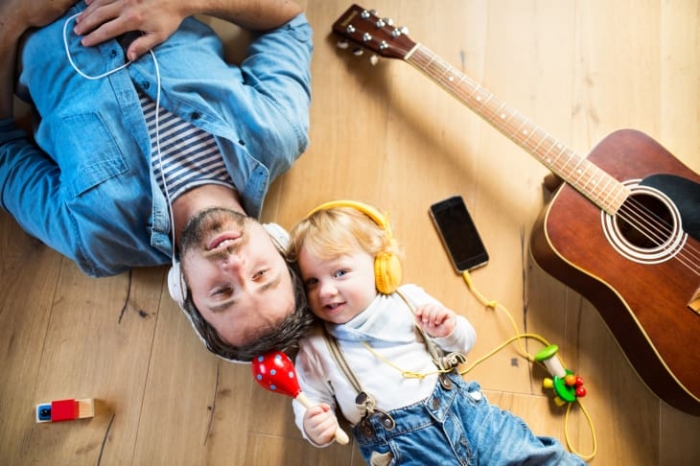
146, 85
196, 115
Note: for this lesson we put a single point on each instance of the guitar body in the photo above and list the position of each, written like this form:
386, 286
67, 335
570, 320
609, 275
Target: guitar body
645, 305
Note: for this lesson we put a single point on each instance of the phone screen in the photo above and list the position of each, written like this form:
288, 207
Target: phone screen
459, 234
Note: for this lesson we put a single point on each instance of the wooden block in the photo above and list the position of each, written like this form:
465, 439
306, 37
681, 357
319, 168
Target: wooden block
65, 410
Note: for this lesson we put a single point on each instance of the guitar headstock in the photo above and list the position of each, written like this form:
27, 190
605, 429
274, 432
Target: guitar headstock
364, 28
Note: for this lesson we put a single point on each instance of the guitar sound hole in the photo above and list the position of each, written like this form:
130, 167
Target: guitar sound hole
645, 221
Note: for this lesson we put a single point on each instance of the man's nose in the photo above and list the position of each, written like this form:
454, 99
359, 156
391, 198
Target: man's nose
232, 262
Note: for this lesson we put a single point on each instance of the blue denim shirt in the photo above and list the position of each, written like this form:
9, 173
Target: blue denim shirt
87, 190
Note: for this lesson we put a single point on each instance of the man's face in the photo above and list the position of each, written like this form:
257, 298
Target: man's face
237, 278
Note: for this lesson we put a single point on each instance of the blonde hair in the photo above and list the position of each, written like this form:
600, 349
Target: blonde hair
338, 231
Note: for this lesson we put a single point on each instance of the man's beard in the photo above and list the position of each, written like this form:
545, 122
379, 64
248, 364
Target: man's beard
204, 223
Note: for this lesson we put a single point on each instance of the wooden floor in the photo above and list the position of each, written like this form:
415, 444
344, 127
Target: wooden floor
389, 136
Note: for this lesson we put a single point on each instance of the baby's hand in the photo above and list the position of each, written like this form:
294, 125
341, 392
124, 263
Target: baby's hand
436, 319
320, 424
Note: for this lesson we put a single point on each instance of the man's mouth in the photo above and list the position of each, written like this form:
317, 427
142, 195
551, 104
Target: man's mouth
223, 241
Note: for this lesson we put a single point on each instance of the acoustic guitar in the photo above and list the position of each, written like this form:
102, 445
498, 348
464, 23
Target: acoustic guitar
623, 230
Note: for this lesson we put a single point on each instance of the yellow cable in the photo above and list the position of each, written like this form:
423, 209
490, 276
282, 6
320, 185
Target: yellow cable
520, 350
590, 423
404, 373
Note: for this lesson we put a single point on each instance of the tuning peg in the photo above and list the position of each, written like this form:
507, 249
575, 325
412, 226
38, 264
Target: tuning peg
358, 51
388, 21
374, 59
342, 44
399, 31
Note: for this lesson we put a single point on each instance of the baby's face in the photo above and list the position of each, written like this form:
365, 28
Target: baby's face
340, 288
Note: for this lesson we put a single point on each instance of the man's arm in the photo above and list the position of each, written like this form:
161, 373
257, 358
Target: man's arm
106, 19
9, 38
16, 17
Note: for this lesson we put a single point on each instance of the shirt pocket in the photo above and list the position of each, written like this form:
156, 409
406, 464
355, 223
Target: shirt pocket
88, 153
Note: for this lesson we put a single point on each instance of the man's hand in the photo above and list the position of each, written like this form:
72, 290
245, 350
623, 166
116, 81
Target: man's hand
159, 19
320, 424
436, 319
106, 19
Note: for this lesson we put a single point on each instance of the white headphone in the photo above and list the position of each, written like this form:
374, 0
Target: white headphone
176, 279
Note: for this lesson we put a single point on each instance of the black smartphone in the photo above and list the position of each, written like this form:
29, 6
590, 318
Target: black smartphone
459, 234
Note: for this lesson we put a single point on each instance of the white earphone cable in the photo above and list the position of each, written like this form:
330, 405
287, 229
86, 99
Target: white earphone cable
157, 119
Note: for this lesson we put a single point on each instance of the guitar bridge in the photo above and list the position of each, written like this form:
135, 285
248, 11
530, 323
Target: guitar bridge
694, 303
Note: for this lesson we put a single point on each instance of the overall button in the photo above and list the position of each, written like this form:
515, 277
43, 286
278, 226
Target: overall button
445, 381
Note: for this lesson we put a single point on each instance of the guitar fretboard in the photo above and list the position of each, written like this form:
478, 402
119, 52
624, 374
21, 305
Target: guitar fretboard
602, 189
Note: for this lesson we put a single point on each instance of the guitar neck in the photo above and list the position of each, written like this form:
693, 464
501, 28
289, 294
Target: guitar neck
602, 189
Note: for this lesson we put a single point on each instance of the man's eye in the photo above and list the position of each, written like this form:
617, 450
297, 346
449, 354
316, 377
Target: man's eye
259, 274
221, 291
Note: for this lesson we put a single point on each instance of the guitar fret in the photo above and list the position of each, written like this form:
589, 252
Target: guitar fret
604, 200
520, 129
534, 148
609, 200
576, 168
556, 159
447, 70
591, 183
537, 147
581, 173
551, 161
501, 115
431, 60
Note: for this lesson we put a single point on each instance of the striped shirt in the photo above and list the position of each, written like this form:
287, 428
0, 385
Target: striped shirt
188, 157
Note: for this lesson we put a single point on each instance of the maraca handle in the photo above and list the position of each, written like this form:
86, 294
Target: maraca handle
340, 436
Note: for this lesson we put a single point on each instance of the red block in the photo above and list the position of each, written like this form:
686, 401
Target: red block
64, 410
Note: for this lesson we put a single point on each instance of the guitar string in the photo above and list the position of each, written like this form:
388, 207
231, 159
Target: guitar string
639, 216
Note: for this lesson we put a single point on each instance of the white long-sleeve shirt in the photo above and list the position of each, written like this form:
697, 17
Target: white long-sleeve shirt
388, 326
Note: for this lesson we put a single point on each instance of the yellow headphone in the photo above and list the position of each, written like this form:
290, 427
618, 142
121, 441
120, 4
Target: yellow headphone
387, 266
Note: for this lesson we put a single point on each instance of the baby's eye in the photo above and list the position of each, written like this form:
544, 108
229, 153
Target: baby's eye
340, 273
311, 282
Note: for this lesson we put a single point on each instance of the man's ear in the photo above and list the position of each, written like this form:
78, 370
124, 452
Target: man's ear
278, 234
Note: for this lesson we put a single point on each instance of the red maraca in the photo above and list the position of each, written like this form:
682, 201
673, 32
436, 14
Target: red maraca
275, 372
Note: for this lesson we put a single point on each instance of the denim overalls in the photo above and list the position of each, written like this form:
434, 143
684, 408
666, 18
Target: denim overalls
456, 425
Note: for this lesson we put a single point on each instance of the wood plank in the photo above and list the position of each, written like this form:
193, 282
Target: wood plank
385, 135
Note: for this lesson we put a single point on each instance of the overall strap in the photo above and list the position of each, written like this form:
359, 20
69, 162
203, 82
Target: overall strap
365, 402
